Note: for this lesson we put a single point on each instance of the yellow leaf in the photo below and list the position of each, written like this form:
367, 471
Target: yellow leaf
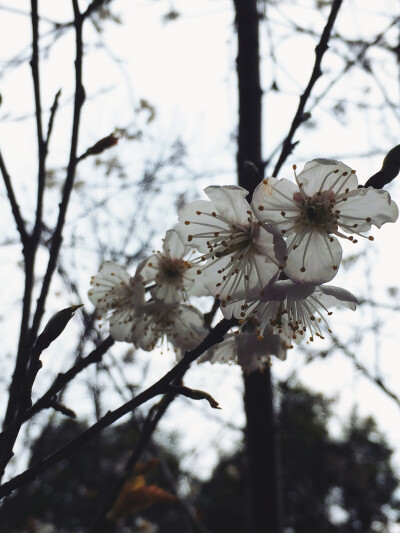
136, 496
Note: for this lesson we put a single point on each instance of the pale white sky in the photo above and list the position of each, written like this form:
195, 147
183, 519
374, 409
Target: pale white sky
186, 70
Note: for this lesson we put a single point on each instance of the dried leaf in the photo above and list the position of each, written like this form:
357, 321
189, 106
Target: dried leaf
136, 496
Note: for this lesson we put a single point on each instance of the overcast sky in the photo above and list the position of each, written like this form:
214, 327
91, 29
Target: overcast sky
185, 68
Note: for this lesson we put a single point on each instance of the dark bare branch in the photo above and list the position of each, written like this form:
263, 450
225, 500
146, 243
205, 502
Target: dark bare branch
215, 336
300, 115
69, 181
365, 372
53, 111
13, 203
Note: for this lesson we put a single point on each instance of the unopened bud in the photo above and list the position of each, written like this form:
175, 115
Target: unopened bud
100, 146
55, 326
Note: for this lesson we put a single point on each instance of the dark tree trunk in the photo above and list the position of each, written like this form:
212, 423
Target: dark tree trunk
261, 451
250, 95
261, 455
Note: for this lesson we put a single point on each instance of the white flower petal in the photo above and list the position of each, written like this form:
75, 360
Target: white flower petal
364, 207
188, 329
173, 246
315, 259
327, 174
233, 309
223, 352
171, 275
181, 324
197, 288
293, 309
121, 323
245, 349
195, 221
271, 245
108, 285
144, 335
253, 353
337, 296
230, 202
167, 293
148, 269
230, 280
280, 290
273, 203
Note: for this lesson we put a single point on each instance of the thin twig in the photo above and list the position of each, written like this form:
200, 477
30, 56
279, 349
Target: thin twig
92, 7
64, 378
69, 181
34, 63
53, 111
300, 116
22, 359
13, 203
27, 338
47, 399
365, 372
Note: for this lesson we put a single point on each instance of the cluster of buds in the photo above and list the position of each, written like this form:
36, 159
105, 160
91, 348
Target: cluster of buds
266, 262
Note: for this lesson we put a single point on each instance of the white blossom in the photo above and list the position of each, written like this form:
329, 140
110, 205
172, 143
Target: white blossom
292, 309
175, 275
323, 204
182, 325
118, 297
246, 350
241, 254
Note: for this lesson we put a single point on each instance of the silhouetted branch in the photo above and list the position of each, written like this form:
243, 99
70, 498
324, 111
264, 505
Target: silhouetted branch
160, 387
103, 523
52, 331
69, 181
64, 378
48, 398
365, 372
30, 249
53, 111
300, 115
13, 203
27, 337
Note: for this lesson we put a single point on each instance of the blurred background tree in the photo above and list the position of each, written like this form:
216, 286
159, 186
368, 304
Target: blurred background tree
330, 485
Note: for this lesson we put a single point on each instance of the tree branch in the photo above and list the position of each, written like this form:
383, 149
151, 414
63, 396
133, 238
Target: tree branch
69, 181
64, 378
53, 111
365, 372
300, 116
103, 523
14, 205
47, 399
32, 242
215, 336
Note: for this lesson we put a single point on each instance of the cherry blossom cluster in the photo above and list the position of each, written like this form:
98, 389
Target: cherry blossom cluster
267, 262
154, 303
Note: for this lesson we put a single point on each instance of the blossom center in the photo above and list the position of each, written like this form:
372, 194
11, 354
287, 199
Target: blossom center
318, 210
172, 268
